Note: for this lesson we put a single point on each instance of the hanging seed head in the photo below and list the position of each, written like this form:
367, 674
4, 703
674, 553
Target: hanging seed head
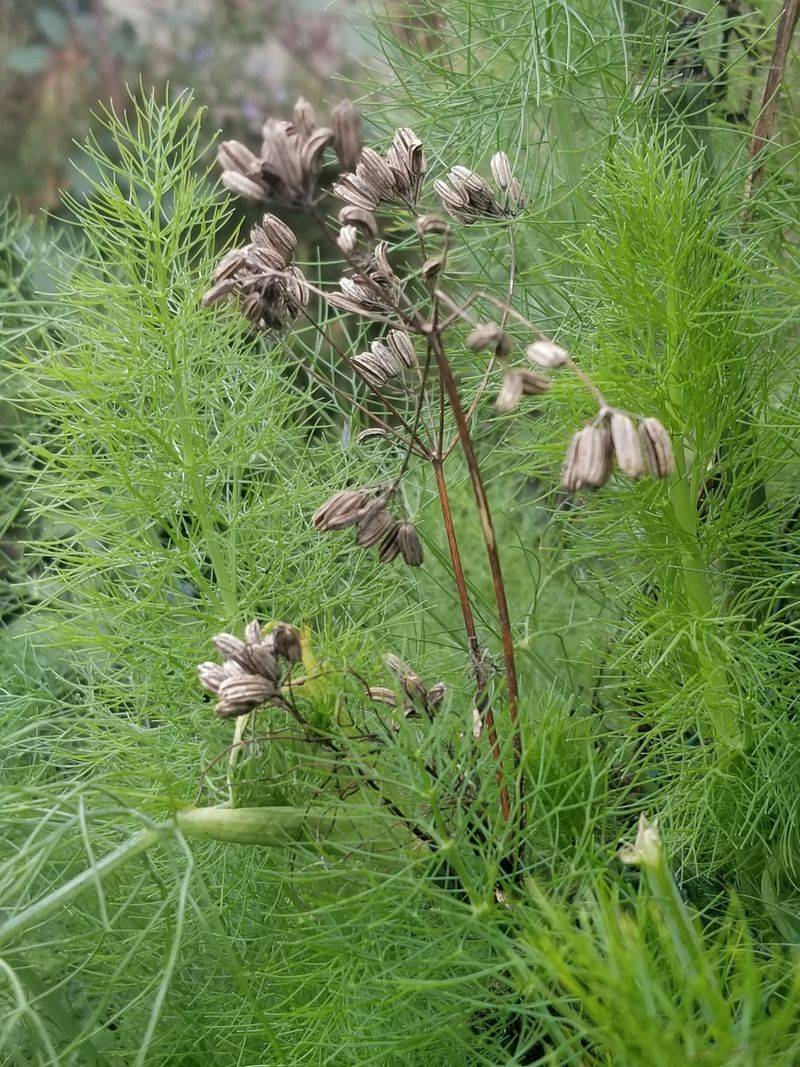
346, 123
374, 523
373, 433
589, 459
432, 267
657, 448
250, 673
547, 354
381, 695
376, 173
341, 510
389, 548
489, 335
247, 188
372, 293
627, 446
519, 382
410, 545
466, 197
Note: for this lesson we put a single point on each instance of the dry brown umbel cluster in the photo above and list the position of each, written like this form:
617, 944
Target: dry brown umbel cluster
408, 367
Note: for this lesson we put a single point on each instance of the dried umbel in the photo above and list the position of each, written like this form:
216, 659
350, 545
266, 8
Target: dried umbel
418, 693
466, 197
367, 510
386, 359
288, 167
593, 449
373, 293
251, 671
376, 180
270, 289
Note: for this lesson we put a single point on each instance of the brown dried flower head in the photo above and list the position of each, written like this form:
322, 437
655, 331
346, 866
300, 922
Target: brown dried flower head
627, 445
466, 197
250, 674
270, 289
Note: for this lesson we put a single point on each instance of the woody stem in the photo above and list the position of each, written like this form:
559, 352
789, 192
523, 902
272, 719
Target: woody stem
490, 540
472, 636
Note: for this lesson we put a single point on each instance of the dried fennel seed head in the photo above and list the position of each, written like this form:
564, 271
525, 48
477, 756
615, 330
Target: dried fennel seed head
251, 671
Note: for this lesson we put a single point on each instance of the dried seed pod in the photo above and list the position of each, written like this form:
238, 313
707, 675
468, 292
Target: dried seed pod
304, 118
261, 659
382, 695
501, 170
477, 724
375, 172
242, 694
373, 523
249, 188
533, 384
363, 220
627, 446
489, 335
346, 123
466, 197
510, 393
235, 156
287, 642
389, 548
279, 236
356, 192
431, 224
547, 354
252, 632
231, 647
218, 292
373, 433
410, 682
402, 347
436, 695
347, 239
410, 545
589, 459
211, 676
657, 448
406, 158
340, 510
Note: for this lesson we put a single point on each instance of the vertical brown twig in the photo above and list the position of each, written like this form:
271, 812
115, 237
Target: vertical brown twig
489, 538
762, 131
472, 636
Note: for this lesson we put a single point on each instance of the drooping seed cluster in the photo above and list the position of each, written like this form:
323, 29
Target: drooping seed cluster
637, 451
417, 695
270, 289
372, 292
386, 359
251, 671
376, 179
467, 197
366, 509
288, 167
518, 382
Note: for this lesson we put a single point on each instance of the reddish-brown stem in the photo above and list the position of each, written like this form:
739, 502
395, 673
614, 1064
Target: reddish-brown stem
472, 636
490, 540
762, 131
